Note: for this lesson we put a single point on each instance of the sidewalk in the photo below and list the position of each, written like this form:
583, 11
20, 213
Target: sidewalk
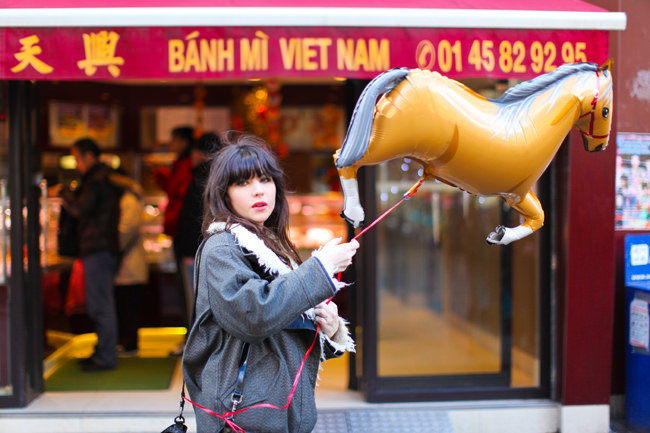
618, 426
340, 410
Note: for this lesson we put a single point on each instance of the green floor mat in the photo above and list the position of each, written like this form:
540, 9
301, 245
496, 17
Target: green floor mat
131, 374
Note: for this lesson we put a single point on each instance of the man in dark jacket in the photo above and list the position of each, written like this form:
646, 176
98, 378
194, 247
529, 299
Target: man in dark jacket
191, 215
96, 204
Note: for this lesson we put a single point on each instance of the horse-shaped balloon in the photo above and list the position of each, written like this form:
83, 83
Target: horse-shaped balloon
487, 147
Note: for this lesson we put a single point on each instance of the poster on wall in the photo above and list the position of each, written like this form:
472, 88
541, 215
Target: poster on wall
70, 121
639, 325
313, 128
212, 119
632, 181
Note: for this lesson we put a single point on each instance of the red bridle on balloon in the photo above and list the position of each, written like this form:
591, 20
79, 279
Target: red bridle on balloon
592, 112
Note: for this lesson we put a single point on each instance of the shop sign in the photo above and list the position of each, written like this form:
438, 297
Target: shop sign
637, 261
312, 52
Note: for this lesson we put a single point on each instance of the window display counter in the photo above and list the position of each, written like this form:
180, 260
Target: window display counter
5, 225
158, 245
315, 220
5, 336
160, 254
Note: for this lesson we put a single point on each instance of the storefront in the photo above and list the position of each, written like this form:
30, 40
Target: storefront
438, 315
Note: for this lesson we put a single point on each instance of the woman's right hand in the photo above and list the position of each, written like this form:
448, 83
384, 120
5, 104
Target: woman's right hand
335, 256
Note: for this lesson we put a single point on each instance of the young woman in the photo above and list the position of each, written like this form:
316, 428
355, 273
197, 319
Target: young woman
254, 289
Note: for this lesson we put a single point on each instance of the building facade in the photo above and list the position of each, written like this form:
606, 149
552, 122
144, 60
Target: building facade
438, 315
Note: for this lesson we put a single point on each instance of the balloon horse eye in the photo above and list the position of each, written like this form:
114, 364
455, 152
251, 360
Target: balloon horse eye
605, 112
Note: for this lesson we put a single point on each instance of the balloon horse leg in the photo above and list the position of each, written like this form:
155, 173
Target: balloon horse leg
352, 209
531, 210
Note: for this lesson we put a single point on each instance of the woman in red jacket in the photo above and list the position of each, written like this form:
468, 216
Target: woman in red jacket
175, 183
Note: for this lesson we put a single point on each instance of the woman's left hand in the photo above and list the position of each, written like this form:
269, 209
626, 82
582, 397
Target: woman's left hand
327, 316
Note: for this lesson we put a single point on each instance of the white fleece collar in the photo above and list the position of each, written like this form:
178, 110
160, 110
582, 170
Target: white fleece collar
265, 256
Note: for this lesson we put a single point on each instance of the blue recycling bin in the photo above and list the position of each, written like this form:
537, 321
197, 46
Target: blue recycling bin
637, 357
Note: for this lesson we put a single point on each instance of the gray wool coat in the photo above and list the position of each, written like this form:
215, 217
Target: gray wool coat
240, 301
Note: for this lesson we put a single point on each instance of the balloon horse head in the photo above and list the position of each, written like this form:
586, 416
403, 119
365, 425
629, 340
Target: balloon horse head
487, 147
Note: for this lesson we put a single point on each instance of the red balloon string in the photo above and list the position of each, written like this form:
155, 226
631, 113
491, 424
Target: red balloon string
227, 416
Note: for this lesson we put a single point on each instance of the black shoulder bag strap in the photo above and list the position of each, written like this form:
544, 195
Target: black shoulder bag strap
179, 422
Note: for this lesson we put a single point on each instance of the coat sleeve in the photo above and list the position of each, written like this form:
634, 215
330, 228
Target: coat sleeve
130, 220
252, 308
86, 202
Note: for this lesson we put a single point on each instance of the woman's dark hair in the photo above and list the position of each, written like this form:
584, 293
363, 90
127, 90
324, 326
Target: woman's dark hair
243, 157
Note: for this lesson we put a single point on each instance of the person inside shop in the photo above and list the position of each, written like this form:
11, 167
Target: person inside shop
191, 215
257, 301
133, 273
96, 204
175, 182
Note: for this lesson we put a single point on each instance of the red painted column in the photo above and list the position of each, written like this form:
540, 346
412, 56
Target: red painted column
585, 292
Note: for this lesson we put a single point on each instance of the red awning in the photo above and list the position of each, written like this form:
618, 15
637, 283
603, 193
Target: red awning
550, 14
196, 39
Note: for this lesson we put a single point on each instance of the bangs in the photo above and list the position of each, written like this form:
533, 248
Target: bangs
250, 163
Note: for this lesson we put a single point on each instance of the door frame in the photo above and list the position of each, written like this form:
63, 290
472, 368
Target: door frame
455, 387
25, 356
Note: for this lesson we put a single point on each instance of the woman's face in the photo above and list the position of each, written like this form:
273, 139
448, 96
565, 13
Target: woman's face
253, 199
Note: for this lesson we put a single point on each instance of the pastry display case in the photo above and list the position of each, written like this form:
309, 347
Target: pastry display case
160, 253
158, 245
315, 220
50, 214
5, 225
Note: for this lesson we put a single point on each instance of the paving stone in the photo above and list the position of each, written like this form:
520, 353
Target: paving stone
383, 421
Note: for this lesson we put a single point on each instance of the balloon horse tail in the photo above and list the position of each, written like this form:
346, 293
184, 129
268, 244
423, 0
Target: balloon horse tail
357, 140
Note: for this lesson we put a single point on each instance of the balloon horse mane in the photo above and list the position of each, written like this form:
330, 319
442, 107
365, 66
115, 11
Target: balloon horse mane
487, 147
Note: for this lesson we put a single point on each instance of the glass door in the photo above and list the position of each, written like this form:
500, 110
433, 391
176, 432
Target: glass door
21, 341
448, 316
5, 264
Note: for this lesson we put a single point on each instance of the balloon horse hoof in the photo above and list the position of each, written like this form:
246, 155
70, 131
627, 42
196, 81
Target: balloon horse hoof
504, 235
354, 223
487, 147
496, 236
